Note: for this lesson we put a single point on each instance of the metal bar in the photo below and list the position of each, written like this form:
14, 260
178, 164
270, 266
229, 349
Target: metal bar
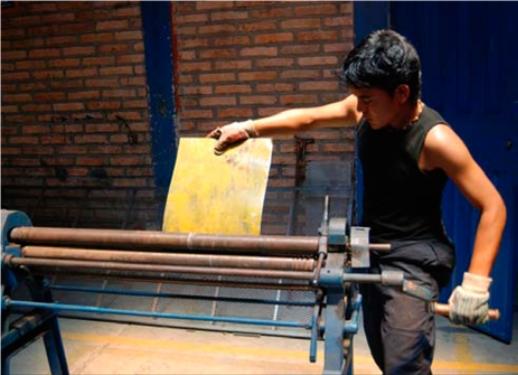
380, 247
54, 347
361, 278
155, 240
248, 330
320, 262
202, 260
215, 302
99, 299
443, 309
276, 308
173, 279
139, 293
76, 264
104, 310
314, 334
391, 278
157, 295
348, 353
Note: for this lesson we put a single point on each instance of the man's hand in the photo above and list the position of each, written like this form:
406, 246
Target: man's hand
469, 301
233, 133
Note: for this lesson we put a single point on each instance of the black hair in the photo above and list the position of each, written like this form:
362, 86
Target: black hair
384, 59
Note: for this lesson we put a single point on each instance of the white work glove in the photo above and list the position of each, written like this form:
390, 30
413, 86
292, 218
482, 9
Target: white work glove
469, 301
233, 133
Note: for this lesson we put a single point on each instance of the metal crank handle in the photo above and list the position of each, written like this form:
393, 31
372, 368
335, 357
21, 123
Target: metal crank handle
409, 287
443, 309
383, 247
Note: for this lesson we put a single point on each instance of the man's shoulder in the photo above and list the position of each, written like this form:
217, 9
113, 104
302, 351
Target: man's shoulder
433, 117
443, 147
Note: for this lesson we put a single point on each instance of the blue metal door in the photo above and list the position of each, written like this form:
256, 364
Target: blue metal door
469, 56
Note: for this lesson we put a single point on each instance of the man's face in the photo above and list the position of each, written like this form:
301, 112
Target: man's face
377, 106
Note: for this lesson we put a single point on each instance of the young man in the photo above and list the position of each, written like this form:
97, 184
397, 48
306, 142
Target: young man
407, 152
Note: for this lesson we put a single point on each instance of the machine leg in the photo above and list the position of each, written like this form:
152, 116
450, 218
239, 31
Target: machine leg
348, 355
334, 362
40, 291
28, 329
55, 350
5, 366
351, 309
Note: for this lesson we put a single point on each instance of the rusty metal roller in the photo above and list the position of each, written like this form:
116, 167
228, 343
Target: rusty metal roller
160, 241
203, 260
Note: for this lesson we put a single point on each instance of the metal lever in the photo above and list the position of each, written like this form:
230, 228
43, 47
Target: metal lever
443, 309
397, 279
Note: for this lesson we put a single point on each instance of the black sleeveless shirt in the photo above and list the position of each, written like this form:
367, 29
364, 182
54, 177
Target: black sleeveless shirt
400, 201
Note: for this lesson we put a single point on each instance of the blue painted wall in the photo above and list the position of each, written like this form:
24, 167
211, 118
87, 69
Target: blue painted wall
469, 55
156, 25
368, 16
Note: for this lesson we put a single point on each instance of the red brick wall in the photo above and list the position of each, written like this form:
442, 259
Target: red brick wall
240, 60
75, 134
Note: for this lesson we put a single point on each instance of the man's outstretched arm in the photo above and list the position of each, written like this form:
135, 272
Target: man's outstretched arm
287, 122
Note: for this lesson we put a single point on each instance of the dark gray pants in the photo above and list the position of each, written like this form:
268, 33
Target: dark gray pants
400, 329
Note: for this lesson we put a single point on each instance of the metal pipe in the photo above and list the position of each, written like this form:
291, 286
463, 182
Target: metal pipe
140, 293
391, 278
76, 264
103, 310
362, 278
380, 247
155, 240
173, 279
314, 334
444, 310
202, 260
320, 262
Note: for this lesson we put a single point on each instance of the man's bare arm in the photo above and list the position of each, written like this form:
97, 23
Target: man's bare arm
290, 121
445, 150
294, 120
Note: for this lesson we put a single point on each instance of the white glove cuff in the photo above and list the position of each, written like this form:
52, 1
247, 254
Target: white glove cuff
476, 283
249, 127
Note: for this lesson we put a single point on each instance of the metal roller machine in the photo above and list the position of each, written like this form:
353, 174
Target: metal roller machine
329, 265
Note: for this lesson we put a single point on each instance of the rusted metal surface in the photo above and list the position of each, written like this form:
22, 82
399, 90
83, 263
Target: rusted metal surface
301, 145
160, 241
158, 268
229, 189
178, 242
201, 260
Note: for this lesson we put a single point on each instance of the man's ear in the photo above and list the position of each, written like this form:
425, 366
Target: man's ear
402, 93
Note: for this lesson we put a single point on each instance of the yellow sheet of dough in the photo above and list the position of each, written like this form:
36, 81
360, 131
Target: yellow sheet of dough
218, 194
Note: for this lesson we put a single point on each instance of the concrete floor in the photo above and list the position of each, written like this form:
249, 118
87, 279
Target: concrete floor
111, 348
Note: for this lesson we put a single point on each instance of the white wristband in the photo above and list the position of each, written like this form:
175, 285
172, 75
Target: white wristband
476, 283
249, 127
